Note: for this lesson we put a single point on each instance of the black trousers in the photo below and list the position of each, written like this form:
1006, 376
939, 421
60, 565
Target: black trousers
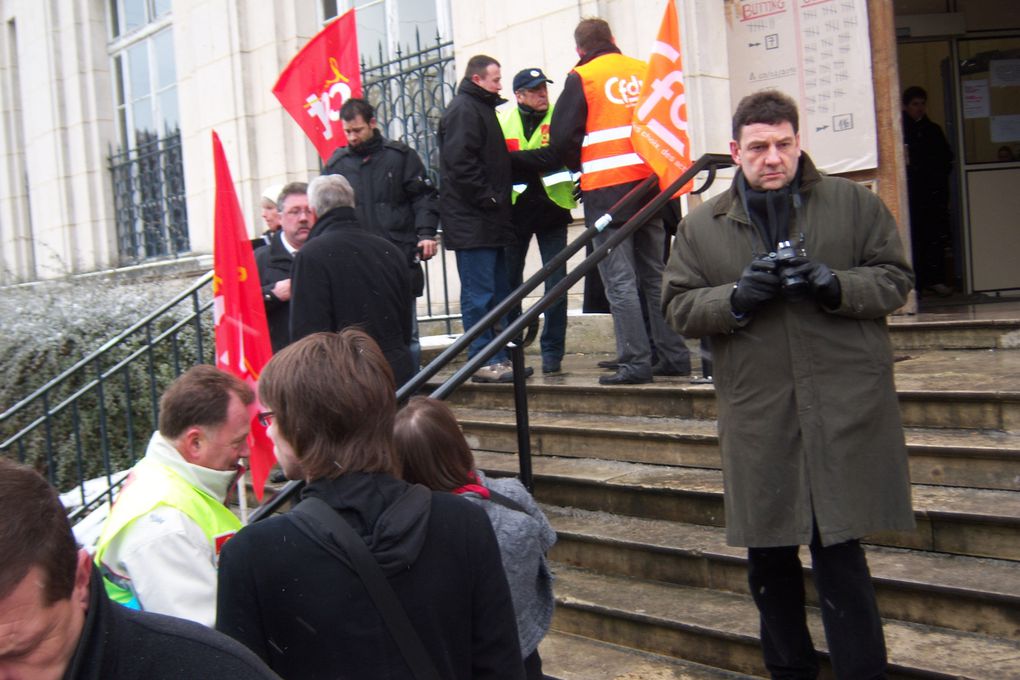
846, 595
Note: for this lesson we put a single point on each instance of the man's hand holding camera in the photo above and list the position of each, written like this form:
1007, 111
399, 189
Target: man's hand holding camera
758, 284
794, 274
823, 283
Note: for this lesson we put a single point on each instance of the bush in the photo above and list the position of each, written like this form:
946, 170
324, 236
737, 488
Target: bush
48, 327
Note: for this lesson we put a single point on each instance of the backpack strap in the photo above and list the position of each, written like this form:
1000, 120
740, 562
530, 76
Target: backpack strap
324, 525
505, 501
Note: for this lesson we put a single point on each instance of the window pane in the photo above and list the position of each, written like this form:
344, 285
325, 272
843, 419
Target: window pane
161, 7
114, 19
163, 53
991, 93
371, 21
134, 14
118, 69
141, 114
168, 110
138, 70
329, 9
416, 15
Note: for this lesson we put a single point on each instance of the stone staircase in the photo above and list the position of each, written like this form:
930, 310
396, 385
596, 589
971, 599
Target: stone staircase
646, 585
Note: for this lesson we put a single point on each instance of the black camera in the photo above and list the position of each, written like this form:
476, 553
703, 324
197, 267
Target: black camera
785, 257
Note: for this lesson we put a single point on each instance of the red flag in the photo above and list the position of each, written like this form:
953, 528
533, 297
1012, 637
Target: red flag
659, 132
242, 336
318, 80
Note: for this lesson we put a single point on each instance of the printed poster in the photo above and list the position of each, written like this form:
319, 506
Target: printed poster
819, 53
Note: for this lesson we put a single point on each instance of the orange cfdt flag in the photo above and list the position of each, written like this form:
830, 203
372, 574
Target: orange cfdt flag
242, 336
659, 132
319, 79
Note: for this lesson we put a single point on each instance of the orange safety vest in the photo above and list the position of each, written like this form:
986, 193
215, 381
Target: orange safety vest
611, 85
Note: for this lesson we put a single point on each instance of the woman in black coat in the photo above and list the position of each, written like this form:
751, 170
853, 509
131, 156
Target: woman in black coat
306, 612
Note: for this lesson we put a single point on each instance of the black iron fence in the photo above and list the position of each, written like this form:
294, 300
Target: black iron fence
95, 418
148, 197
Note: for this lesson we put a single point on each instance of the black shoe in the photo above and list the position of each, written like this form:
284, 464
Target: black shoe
609, 364
663, 369
550, 368
619, 378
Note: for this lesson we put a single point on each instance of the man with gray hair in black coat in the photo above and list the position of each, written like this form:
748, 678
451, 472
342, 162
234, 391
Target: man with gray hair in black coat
346, 275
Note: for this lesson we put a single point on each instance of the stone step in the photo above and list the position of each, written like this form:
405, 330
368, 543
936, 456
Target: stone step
720, 629
937, 389
975, 522
937, 332
572, 657
975, 595
593, 333
967, 458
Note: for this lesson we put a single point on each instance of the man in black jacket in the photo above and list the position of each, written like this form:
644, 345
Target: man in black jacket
394, 196
274, 261
348, 276
56, 620
474, 202
929, 163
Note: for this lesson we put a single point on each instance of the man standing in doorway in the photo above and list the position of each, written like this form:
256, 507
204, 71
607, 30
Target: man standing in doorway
929, 162
474, 202
393, 195
541, 204
809, 423
276, 260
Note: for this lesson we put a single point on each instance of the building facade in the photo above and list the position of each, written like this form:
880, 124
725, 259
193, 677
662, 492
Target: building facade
107, 106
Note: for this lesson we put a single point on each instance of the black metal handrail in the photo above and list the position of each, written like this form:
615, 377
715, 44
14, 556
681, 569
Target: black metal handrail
506, 336
54, 411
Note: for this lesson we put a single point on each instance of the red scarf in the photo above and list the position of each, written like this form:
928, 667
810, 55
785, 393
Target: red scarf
474, 485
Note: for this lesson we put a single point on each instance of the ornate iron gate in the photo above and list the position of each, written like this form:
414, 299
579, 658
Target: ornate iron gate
409, 94
149, 199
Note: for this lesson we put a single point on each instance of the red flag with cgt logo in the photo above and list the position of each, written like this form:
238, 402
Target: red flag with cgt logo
659, 132
242, 336
319, 79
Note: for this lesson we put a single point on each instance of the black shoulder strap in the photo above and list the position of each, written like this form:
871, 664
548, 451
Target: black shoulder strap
322, 523
505, 501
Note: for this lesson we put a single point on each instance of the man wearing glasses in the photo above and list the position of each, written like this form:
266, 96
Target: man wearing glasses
160, 545
275, 261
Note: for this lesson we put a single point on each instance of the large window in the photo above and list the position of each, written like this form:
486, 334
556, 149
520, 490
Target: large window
147, 167
385, 26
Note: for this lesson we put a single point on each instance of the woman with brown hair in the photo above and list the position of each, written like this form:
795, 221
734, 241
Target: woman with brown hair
295, 596
433, 452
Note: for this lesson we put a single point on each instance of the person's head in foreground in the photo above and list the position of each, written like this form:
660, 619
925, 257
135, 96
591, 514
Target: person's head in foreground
332, 401
766, 139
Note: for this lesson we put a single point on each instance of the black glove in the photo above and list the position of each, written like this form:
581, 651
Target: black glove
757, 285
824, 284
577, 191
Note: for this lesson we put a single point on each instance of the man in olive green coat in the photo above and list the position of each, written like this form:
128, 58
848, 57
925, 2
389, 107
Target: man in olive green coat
809, 424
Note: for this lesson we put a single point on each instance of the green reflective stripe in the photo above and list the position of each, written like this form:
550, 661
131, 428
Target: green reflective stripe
559, 185
152, 484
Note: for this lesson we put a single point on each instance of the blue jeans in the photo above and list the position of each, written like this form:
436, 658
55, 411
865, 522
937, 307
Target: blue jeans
483, 285
550, 242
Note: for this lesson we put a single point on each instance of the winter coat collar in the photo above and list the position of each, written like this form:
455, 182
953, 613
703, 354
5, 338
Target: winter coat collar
730, 201
216, 483
469, 88
370, 147
390, 514
335, 220
608, 48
